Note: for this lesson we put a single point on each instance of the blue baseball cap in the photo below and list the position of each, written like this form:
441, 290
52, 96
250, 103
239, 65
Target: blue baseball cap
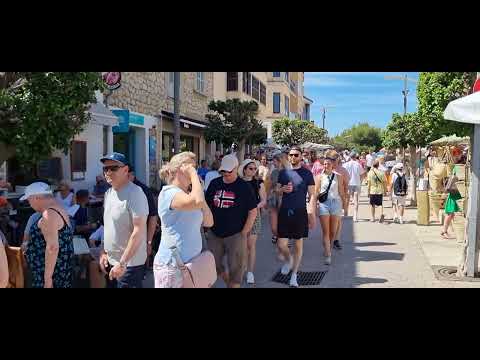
115, 157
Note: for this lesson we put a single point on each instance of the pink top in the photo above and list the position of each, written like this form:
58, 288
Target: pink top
317, 168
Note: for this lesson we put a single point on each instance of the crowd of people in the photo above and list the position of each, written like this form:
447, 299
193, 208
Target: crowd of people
217, 208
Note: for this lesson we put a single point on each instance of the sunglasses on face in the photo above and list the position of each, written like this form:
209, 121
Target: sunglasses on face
223, 172
294, 155
252, 169
331, 159
113, 168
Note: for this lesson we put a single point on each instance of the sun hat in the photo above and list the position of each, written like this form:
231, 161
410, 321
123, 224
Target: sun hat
37, 188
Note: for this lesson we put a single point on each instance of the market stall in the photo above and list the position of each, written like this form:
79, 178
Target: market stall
446, 154
467, 110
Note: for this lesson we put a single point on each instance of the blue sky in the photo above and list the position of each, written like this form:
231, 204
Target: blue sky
357, 97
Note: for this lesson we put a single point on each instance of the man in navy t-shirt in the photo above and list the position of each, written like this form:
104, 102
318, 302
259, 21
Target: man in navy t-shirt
293, 218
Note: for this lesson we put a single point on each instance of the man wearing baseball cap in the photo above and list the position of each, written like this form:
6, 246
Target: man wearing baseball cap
125, 226
234, 209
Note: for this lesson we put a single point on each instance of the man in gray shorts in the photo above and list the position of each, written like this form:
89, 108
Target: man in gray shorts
234, 209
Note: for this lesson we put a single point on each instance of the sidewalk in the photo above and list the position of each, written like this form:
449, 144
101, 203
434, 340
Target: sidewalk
373, 255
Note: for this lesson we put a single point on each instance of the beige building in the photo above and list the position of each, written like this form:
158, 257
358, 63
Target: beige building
146, 99
279, 94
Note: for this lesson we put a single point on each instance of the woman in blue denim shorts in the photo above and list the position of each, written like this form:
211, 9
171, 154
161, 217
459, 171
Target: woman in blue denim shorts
330, 211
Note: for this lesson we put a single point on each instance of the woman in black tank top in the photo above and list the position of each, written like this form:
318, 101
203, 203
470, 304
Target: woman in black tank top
49, 252
247, 172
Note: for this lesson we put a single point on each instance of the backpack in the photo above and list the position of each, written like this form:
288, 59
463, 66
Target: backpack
400, 187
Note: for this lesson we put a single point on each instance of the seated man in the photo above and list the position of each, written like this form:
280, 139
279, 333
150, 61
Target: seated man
82, 226
100, 187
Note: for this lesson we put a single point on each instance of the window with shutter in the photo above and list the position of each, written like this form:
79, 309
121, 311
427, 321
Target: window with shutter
78, 160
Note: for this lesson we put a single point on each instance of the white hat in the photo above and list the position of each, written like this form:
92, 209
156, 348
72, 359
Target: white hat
37, 188
229, 162
245, 163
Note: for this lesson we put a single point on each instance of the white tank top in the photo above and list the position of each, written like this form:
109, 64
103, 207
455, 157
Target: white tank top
333, 192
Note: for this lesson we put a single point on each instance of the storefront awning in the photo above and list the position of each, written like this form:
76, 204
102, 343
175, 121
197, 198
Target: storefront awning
186, 120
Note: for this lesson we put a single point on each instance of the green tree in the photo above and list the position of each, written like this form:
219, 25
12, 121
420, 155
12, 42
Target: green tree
43, 111
434, 91
233, 122
290, 132
362, 137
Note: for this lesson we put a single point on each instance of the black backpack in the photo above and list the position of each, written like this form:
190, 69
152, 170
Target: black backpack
400, 187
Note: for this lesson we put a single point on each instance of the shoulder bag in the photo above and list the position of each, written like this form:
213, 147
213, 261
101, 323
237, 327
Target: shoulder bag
200, 272
322, 197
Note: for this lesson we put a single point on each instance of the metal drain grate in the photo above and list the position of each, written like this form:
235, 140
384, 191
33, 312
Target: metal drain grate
303, 278
446, 273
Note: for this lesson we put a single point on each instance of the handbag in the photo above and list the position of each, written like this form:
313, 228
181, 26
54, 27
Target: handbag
322, 197
200, 272
16, 265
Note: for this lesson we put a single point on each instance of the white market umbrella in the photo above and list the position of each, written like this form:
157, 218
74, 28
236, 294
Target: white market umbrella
464, 110
467, 110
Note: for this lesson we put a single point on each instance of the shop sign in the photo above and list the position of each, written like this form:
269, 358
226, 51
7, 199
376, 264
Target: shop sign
123, 121
112, 80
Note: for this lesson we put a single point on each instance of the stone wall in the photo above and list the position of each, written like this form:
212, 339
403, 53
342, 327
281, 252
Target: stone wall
193, 104
142, 92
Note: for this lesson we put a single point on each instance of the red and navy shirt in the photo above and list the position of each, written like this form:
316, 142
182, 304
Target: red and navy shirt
230, 205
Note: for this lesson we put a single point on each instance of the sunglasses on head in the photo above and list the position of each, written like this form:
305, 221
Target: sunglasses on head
112, 168
294, 155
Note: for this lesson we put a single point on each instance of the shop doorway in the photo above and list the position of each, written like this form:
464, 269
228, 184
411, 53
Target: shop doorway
124, 143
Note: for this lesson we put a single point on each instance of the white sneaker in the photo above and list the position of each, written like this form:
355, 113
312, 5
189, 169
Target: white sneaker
250, 278
401, 221
293, 280
328, 260
287, 267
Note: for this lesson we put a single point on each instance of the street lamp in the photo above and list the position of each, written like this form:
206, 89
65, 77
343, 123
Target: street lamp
324, 113
405, 90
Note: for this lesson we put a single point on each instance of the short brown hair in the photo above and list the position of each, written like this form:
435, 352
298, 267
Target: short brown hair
296, 148
332, 154
376, 164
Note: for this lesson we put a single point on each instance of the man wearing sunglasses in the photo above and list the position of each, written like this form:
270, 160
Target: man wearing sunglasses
234, 208
294, 220
125, 226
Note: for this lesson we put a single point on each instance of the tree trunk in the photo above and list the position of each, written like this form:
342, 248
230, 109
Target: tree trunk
6, 152
413, 172
241, 151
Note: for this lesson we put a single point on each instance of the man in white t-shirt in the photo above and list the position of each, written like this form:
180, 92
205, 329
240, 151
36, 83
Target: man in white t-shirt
356, 172
370, 159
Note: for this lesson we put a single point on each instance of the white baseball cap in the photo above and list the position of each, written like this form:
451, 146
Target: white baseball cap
37, 188
229, 162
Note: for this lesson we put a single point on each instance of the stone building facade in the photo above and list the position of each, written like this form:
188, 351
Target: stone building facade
148, 97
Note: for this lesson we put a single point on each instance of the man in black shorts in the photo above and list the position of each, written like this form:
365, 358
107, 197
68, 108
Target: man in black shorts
293, 218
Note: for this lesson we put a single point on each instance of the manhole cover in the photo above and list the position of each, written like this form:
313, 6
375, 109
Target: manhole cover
303, 278
446, 273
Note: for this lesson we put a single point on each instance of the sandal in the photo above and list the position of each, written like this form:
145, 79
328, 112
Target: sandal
445, 235
274, 239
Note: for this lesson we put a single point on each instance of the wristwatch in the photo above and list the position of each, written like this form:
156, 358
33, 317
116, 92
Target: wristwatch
122, 264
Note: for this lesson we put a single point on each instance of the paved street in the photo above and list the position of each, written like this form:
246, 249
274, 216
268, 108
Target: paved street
373, 255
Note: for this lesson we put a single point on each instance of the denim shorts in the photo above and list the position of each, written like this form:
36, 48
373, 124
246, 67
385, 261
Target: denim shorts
331, 207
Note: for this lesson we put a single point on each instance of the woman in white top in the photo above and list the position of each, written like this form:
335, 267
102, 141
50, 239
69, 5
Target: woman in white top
182, 215
3, 262
65, 195
330, 211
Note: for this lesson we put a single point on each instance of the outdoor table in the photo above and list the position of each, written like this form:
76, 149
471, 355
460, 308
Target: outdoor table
80, 246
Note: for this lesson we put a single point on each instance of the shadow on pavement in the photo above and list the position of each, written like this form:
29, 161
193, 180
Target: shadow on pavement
378, 243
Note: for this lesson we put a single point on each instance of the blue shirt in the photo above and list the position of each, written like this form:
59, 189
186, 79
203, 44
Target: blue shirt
180, 228
202, 172
301, 180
